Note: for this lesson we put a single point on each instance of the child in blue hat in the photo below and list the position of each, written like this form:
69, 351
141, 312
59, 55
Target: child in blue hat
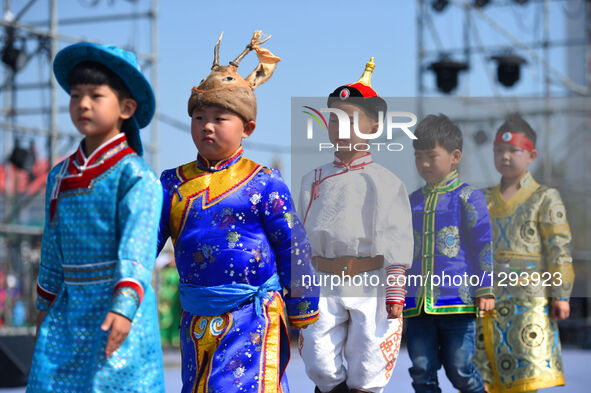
97, 328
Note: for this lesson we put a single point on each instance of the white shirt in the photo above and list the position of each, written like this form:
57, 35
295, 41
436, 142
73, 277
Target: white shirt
358, 209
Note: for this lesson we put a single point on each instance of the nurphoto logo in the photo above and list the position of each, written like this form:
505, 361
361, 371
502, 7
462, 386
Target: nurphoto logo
402, 121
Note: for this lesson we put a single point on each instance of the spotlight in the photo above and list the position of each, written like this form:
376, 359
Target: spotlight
22, 158
439, 5
13, 56
508, 68
480, 3
446, 73
480, 137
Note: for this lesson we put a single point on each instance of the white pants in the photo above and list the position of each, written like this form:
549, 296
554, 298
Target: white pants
355, 331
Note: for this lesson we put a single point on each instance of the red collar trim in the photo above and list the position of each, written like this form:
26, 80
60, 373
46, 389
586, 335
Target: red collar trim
356, 163
75, 177
83, 162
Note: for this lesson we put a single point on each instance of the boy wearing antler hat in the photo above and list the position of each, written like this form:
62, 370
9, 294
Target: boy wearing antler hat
357, 215
235, 236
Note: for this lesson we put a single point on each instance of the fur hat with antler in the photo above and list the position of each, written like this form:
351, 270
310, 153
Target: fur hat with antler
226, 88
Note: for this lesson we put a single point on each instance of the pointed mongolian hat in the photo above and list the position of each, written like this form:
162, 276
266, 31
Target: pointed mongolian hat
360, 93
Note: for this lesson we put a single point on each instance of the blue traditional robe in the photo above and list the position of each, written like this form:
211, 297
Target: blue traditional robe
97, 256
453, 249
237, 243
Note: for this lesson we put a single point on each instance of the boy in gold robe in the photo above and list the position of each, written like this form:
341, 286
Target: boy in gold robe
518, 346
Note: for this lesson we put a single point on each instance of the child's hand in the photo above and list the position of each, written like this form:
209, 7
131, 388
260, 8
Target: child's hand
559, 310
120, 327
40, 317
394, 310
485, 303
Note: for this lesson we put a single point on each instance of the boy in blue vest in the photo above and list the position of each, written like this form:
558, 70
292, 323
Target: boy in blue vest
453, 255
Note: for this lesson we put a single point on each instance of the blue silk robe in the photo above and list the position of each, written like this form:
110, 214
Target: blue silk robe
97, 256
452, 249
233, 223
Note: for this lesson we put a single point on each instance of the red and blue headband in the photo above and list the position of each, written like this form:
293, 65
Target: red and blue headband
515, 139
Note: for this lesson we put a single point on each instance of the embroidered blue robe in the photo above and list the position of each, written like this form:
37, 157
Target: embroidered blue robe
97, 255
233, 223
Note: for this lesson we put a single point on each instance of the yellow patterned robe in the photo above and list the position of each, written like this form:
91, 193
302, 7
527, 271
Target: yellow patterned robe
518, 347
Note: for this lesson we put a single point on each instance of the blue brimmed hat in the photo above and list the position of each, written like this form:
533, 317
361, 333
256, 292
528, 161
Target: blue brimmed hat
124, 65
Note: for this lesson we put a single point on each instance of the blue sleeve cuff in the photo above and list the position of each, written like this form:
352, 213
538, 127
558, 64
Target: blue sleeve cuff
125, 302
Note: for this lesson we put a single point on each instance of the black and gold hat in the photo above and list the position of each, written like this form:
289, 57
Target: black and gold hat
360, 93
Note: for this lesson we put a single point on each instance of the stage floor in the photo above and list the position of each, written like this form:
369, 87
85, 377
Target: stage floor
576, 366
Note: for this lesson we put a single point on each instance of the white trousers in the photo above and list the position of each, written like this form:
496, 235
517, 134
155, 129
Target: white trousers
352, 341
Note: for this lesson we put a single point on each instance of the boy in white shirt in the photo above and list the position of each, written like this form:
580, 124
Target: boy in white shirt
357, 216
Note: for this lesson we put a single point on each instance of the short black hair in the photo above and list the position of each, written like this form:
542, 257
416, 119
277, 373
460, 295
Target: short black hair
437, 129
515, 123
92, 73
